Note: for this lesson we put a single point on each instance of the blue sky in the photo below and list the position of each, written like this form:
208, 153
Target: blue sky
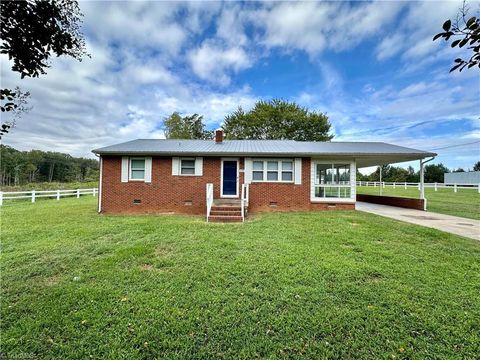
372, 67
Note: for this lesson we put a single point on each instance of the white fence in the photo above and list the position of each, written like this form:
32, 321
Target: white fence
35, 194
406, 185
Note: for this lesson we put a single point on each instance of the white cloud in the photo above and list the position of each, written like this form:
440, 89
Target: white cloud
136, 23
317, 26
389, 46
214, 62
413, 36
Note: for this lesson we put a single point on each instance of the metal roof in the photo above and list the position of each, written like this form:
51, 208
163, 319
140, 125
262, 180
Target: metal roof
378, 152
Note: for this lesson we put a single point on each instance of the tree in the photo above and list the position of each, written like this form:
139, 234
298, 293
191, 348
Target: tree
22, 167
33, 31
277, 119
468, 30
187, 127
459, 170
435, 173
476, 167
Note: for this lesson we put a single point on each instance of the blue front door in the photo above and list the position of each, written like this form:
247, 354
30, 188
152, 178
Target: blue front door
229, 185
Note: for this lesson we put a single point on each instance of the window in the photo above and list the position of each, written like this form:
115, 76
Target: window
272, 173
287, 171
272, 170
137, 169
187, 166
332, 181
257, 171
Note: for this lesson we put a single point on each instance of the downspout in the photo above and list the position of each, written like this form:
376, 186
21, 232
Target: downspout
100, 184
422, 181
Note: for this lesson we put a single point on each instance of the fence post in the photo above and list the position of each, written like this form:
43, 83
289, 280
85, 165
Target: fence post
478, 190
58, 194
374, 184
405, 185
418, 186
1, 196
33, 196
383, 184
93, 192
78, 193
435, 186
455, 187
394, 184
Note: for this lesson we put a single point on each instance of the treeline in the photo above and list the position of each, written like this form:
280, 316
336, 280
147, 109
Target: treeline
433, 173
23, 167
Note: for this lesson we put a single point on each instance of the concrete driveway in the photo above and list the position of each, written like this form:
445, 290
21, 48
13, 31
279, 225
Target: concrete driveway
452, 224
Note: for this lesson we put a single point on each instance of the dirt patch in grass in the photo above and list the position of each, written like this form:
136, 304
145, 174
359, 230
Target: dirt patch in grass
52, 280
150, 267
162, 251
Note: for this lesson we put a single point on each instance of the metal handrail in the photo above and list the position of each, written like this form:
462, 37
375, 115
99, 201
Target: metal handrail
244, 199
209, 195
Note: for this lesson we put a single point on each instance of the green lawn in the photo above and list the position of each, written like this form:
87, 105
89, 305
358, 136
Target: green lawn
319, 285
464, 203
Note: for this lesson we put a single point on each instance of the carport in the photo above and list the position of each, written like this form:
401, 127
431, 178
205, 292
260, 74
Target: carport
388, 159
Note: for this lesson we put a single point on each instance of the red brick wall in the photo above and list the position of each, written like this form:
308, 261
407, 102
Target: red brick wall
186, 194
409, 203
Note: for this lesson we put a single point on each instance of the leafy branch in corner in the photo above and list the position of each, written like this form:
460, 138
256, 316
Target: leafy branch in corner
468, 31
14, 101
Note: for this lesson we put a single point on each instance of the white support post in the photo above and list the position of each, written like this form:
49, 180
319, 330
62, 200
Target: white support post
421, 185
435, 186
93, 192
381, 190
78, 193
478, 189
405, 185
58, 194
1, 197
394, 184
33, 196
455, 187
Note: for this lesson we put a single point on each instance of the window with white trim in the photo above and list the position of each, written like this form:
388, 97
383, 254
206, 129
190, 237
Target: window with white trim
272, 170
137, 169
332, 180
187, 166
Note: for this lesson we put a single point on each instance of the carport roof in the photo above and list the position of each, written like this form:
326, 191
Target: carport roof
365, 153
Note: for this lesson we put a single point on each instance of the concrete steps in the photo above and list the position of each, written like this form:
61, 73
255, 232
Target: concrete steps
226, 210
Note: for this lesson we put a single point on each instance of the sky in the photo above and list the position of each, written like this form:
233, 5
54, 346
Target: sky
372, 67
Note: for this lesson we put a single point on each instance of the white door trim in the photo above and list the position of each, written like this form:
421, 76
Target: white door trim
221, 177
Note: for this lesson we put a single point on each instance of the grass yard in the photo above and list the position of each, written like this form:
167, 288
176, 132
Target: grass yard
319, 285
464, 203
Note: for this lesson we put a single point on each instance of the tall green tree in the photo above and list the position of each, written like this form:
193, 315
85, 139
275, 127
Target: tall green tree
476, 167
186, 127
31, 33
277, 119
435, 173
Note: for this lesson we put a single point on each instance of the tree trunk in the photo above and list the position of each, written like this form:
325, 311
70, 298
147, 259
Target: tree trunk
50, 172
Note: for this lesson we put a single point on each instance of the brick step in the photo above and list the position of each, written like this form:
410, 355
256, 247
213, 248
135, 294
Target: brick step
225, 212
226, 208
224, 218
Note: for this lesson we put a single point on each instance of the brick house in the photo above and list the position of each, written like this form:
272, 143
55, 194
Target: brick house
222, 179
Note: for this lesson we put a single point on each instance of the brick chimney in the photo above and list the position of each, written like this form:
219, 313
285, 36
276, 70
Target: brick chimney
219, 136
